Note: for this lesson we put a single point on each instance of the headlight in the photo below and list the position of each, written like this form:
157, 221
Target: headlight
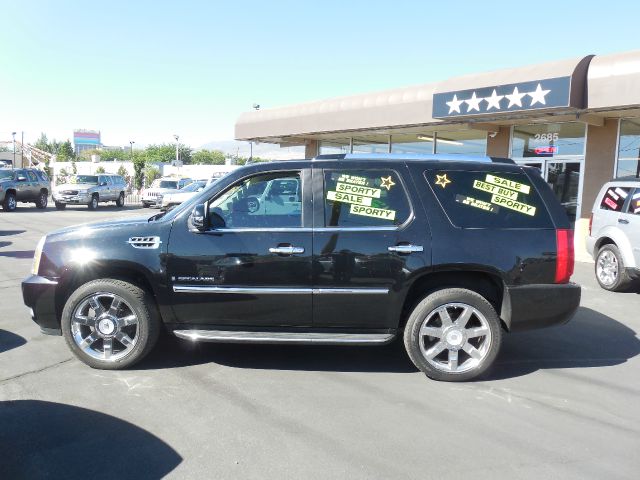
37, 255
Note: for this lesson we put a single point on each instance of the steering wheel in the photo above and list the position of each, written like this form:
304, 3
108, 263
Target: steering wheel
253, 204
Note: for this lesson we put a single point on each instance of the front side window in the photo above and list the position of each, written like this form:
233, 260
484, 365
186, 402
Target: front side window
614, 198
364, 198
32, 176
270, 200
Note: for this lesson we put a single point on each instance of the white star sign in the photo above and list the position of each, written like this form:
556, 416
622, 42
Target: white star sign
454, 105
515, 98
538, 95
494, 100
474, 103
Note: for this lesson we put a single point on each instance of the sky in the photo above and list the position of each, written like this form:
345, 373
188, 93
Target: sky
145, 70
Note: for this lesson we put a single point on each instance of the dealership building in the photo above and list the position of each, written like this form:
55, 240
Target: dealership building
576, 120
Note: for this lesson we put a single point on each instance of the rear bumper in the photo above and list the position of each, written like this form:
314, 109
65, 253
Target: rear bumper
38, 294
529, 307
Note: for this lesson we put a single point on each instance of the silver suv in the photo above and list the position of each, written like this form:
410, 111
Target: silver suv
90, 190
614, 234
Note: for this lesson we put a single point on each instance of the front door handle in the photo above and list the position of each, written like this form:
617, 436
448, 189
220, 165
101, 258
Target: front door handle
286, 250
406, 248
622, 220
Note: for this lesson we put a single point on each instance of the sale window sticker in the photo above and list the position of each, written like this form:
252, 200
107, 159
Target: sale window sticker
506, 183
348, 198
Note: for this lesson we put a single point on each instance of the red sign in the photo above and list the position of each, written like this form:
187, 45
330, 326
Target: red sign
549, 150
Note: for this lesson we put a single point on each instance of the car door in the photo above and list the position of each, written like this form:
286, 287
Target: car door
629, 222
34, 185
367, 241
23, 186
253, 270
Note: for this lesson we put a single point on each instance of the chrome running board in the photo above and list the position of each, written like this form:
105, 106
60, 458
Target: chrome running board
228, 336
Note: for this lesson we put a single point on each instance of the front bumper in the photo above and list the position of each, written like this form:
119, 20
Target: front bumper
529, 307
81, 198
39, 294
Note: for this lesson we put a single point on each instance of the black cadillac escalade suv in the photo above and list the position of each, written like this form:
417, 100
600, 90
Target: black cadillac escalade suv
453, 251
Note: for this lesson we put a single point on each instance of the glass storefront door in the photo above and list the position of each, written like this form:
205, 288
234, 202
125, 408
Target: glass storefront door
563, 176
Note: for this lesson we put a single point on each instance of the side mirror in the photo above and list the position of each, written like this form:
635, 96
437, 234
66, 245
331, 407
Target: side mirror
21, 178
199, 218
103, 184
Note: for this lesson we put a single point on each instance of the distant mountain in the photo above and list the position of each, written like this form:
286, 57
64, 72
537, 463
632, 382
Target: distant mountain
262, 150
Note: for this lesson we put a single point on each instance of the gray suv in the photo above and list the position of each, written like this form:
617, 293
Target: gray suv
614, 234
23, 185
90, 190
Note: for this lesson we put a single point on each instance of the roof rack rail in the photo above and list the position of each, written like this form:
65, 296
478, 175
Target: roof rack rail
449, 157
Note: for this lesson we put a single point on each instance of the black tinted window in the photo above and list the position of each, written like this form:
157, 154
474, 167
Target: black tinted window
488, 200
634, 204
362, 198
614, 198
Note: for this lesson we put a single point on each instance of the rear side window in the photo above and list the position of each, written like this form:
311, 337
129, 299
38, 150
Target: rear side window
614, 198
488, 200
634, 204
364, 198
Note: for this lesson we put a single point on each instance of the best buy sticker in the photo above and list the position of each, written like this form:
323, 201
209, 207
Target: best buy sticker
373, 212
487, 187
348, 198
504, 182
358, 190
513, 205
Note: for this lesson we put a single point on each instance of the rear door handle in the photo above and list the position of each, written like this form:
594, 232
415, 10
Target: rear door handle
286, 250
406, 248
622, 220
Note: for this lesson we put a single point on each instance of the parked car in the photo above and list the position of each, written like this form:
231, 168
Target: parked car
614, 234
152, 196
23, 185
448, 252
90, 190
6, 163
170, 200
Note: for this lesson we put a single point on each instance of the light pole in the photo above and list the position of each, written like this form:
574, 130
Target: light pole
14, 149
177, 137
131, 142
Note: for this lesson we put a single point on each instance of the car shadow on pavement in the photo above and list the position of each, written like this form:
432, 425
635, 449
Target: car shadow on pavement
17, 253
590, 339
9, 341
7, 233
5, 244
173, 352
41, 439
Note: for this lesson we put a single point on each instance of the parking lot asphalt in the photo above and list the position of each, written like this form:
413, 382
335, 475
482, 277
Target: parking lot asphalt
560, 403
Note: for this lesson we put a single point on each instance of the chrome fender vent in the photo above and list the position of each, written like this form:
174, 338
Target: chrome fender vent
144, 242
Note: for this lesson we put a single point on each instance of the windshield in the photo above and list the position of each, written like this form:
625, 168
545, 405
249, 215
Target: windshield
92, 179
192, 187
6, 174
164, 184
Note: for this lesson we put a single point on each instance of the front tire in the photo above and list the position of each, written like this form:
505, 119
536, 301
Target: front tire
42, 200
60, 206
453, 335
120, 200
9, 204
610, 270
110, 324
93, 203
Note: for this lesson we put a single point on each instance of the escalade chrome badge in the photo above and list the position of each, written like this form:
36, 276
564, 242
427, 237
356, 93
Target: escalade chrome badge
144, 242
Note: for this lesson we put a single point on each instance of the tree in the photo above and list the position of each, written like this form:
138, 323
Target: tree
166, 153
74, 168
100, 170
65, 152
43, 143
139, 161
208, 157
150, 174
124, 174
62, 176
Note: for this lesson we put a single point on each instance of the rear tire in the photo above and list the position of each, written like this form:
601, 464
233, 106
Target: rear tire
145, 205
610, 270
120, 200
43, 200
9, 204
60, 206
453, 335
93, 203
105, 335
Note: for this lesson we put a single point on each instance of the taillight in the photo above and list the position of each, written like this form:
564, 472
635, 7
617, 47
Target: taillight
590, 223
565, 255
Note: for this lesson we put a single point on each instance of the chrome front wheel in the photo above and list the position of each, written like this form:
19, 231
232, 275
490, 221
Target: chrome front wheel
104, 326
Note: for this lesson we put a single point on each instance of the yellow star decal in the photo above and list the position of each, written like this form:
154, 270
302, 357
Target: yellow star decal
442, 180
387, 182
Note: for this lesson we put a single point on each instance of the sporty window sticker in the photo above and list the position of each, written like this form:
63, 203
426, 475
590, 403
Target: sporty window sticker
513, 205
442, 180
364, 199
